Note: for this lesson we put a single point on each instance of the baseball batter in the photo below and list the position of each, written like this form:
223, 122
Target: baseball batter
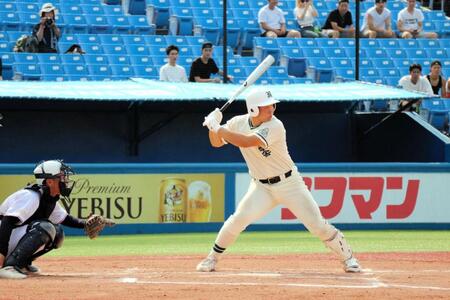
261, 137
30, 220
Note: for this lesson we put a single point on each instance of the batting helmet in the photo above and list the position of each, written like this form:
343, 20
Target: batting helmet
257, 98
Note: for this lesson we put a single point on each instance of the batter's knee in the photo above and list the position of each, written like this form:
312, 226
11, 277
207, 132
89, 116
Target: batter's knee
237, 223
323, 230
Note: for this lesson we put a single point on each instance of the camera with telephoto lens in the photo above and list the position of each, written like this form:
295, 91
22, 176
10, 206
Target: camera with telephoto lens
49, 22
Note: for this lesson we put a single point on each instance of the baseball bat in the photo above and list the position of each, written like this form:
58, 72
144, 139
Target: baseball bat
260, 69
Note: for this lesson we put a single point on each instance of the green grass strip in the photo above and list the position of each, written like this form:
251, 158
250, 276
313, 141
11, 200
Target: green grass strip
261, 243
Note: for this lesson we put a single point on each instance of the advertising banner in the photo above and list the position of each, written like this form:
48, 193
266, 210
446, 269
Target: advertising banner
139, 198
369, 197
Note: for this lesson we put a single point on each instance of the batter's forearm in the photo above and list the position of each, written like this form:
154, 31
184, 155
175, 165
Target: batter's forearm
215, 140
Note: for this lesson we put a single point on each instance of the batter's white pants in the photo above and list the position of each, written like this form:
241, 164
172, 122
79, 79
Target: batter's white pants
261, 198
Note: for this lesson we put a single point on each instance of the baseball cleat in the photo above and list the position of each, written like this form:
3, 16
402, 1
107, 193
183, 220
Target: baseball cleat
207, 265
10, 272
31, 270
351, 265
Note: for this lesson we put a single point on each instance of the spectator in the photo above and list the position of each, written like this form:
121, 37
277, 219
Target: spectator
202, 67
339, 22
305, 13
436, 80
448, 88
272, 22
415, 82
74, 49
410, 23
377, 22
171, 71
46, 31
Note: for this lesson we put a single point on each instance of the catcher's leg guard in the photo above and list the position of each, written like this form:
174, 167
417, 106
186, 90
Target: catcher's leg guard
57, 243
41, 234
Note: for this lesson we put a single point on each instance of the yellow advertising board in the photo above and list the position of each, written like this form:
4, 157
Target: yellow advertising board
140, 198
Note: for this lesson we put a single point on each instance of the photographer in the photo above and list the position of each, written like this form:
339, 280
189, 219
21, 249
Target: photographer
46, 32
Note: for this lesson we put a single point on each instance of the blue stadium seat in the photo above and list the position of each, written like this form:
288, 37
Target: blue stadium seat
6, 46
409, 43
322, 62
92, 48
365, 63
49, 58
119, 24
436, 53
146, 72
176, 40
98, 24
137, 7
396, 53
27, 71
129, 39
76, 70
348, 74
7, 62
26, 58
375, 52
257, 4
306, 43
10, 20
3, 36
250, 30
32, 8
402, 62
186, 62
60, 77
368, 72
313, 52
115, 49
247, 61
374, 79
200, 4
140, 25
291, 52
324, 43
388, 43
237, 71
96, 59
14, 35
68, 38
111, 10
158, 50
233, 33
122, 72
70, 9
119, 60
99, 70
242, 4
93, 10
383, 63
140, 60
195, 41
185, 51
207, 27
388, 72
111, 39
347, 43
181, 21
436, 111
8, 7
277, 72
155, 40
324, 75
392, 80
287, 43
158, 10
416, 53
72, 59
429, 43
281, 80
339, 63
88, 38
75, 24
202, 12
138, 50
369, 43
335, 52
52, 69
244, 14
28, 20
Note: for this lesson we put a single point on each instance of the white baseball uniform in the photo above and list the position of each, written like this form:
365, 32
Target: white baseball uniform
268, 162
22, 204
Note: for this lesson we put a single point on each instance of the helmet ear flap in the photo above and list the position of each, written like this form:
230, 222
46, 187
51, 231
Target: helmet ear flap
253, 111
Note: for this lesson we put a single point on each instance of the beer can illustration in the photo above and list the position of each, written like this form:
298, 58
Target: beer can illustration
172, 200
199, 202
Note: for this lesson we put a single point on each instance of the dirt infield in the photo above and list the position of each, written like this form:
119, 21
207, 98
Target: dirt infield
318, 276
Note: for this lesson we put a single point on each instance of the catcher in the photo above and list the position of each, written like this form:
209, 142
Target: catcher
31, 219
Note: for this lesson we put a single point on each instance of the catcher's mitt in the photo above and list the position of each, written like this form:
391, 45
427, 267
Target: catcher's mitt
95, 224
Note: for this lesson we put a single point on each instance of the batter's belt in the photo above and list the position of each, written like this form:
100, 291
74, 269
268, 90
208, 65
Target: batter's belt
276, 179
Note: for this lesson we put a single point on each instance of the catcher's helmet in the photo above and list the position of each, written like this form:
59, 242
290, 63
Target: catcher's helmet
257, 98
54, 169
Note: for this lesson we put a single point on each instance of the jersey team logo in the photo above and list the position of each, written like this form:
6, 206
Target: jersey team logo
265, 152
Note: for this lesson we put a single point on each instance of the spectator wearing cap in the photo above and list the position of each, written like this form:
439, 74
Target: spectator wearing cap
437, 81
202, 67
46, 31
306, 14
410, 23
171, 71
75, 49
272, 22
339, 22
415, 82
377, 22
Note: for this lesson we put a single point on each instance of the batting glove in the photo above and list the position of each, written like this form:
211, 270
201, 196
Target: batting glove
212, 124
216, 114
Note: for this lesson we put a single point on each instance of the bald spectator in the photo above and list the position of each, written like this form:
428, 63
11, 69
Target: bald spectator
410, 23
377, 22
272, 23
339, 22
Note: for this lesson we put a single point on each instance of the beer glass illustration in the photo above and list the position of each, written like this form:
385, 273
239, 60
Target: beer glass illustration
199, 202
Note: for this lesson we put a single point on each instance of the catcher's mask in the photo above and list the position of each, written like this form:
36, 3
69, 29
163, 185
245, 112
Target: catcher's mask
52, 169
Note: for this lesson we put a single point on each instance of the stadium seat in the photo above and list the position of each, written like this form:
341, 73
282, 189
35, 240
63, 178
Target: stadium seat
277, 72
291, 52
392, 80
98, 24
140, 60
122, 72
93, 59
247, 61
409, 43
369, 43
383, 63
347, 43
435, 112
93, 10
325, 43
115, 49
237, 71
334, 52
8, 7
10, 21
119, 24
375, 52
388, 72
138, 7
146, 72
99, 71
322, 62
27, 71
7, 64
436, 53
46, 58
28, 20
242, 4
75, 24
388, 43
416, 53
200, 4
52, 69
339, 63
208, 28
158, 12
348, 74
140, 25
92, 48
119, 60
138, 50
287, 43
72, 59
75, 70
313, 52
110, 39
397, 53
306, 43
429, 43
111, 10
158, 50
250, 30
129, 39
88, 38
153, 40
324, 75
26, 58
365, 63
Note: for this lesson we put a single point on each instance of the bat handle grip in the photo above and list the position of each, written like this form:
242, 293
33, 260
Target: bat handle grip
225, 106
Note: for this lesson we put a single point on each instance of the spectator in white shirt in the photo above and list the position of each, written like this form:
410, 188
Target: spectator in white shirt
272, 22
410, 23
415, 82
306, 14
377, 22
171, 71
